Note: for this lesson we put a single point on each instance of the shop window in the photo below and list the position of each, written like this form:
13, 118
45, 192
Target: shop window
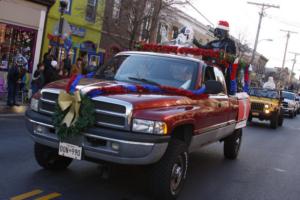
91, 10
16, 41
116, 9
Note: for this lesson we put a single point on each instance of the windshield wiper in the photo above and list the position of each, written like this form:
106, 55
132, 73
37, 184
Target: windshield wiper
144, 80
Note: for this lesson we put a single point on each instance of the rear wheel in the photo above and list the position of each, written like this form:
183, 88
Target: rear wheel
48, 158
169, 174
232, 145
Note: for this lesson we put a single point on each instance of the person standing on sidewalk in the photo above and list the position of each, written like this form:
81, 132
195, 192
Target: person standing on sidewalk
38, 79
12, 82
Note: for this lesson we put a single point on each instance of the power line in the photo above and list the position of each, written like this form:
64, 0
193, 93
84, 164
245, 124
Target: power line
263, 6
199, 12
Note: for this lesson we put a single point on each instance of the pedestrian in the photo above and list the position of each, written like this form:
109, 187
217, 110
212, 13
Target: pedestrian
38, 79
51, 72
77, 68
13, 76
67, 64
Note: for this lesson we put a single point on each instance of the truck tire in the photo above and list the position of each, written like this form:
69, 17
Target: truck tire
232, 145
169, 174
280, 120
274, 121
291, 115
48, 158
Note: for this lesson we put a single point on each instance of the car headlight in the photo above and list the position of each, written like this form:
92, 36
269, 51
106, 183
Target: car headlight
34, 104
148, 126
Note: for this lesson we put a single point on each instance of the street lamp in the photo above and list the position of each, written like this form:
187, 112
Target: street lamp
260, 71
63, 4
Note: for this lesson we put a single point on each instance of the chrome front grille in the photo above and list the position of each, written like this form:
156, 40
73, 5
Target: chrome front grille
48, 101
109, 112
257, 106
285, 104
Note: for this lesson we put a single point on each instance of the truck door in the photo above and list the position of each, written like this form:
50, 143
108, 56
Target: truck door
220, 102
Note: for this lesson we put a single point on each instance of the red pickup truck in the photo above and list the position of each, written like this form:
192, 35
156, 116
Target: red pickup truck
153, 129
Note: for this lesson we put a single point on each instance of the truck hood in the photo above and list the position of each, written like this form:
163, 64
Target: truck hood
290, 102
264, 100
139, 101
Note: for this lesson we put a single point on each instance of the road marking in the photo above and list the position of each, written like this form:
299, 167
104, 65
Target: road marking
26, 195
279, 170
49, 196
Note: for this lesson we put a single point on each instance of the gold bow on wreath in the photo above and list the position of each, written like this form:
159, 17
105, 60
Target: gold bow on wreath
71, 102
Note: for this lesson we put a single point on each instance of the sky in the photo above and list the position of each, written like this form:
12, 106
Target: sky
243, 20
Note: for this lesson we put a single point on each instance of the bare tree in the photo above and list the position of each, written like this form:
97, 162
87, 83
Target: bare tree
242, 45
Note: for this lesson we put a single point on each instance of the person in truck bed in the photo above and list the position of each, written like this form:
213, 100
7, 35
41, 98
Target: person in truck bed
224, 42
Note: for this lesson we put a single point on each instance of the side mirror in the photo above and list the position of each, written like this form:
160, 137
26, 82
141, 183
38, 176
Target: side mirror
214, 87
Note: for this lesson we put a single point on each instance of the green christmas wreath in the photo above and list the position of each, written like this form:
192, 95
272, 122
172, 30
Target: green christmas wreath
85, 119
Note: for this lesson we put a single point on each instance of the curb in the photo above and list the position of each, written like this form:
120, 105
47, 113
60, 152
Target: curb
12, 115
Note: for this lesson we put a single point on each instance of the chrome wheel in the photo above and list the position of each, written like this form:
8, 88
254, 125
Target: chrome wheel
178, 173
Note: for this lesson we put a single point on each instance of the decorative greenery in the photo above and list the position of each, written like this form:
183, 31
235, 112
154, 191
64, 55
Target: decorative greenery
85, 120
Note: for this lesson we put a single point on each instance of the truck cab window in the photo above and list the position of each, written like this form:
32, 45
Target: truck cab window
213, 73
108, 70
209, 74
220, 77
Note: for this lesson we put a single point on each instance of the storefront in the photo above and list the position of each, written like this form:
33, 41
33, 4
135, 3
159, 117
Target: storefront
81, 35
21, 32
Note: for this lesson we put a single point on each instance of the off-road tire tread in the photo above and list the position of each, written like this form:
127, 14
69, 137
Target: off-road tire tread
160, 180
43, 153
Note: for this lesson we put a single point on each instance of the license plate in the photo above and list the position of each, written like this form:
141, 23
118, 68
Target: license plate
255, 114
70, 150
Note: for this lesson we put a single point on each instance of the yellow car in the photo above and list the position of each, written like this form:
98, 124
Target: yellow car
266, 105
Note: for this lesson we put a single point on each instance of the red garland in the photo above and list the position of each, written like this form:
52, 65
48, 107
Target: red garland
182, 50
119, 89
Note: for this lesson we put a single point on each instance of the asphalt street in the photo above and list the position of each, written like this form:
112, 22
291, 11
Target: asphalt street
267, 169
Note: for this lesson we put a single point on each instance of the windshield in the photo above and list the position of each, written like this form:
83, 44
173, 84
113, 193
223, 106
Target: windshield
288, 95
264, 93
156, 70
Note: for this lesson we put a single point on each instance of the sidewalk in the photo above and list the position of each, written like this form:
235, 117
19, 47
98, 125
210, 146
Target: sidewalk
14, 111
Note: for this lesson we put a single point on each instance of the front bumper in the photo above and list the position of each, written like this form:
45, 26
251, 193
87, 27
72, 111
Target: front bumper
288, 110
99, 143
261, 115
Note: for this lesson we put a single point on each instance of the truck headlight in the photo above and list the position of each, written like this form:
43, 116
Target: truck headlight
148, 126
267, 106
34, 104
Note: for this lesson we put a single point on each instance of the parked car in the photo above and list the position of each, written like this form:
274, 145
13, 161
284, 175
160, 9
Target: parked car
266, 105
159, 130
289, 103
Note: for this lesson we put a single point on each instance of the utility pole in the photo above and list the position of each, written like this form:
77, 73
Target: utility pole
288, 35
294, 62
263, 6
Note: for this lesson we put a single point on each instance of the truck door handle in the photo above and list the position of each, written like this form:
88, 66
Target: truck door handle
219, 105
